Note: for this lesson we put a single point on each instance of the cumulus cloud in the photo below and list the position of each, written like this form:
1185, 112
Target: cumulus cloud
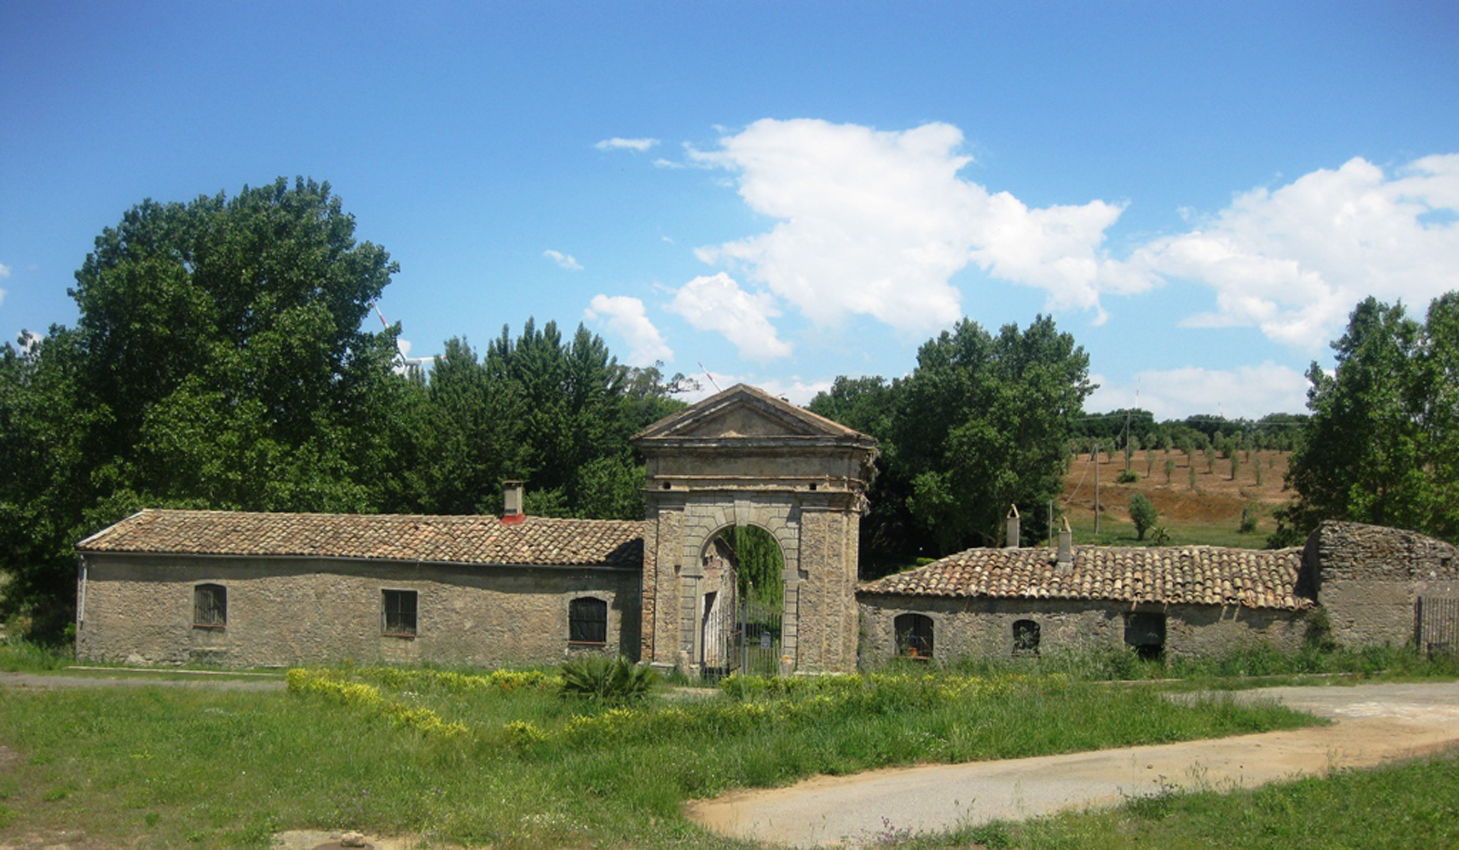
1294, 260
1244, 392
618, 144
566, 261
717, 303
876, 223
4, 273
627, 318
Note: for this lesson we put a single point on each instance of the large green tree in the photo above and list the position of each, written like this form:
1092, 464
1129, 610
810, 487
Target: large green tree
982, 423
1382, 444
218, 361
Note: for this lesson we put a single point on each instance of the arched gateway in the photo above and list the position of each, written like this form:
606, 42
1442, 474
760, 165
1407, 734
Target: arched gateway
744, 457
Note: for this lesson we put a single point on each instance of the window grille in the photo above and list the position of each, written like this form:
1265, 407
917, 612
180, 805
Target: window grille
914, 635
587, 621
399, 618
210, 606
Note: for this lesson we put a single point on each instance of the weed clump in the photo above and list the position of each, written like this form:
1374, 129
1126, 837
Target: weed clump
599, 677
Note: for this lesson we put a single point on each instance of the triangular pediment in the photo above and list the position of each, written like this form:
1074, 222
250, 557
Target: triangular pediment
744, 412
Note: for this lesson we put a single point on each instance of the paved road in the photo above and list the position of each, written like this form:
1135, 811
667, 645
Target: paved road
1372, 724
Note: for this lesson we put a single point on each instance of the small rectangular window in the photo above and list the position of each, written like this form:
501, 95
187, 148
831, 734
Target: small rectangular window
587, 621
210, 606
399, 615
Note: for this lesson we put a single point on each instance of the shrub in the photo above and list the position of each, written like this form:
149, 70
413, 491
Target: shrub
1142, 514
1126, 476
595, 676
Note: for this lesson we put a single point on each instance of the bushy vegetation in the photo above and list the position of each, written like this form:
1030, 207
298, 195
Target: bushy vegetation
601, 677
21, 655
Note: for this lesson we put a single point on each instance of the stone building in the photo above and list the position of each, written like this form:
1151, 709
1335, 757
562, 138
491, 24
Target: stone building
254, 589
1371, 582
270, 589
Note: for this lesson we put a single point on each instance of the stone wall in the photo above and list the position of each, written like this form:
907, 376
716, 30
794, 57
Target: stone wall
983, 626
1369, 579
289, 611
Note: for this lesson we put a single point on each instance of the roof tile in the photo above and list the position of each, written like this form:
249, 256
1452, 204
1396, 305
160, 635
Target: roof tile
540, 541
1203, 575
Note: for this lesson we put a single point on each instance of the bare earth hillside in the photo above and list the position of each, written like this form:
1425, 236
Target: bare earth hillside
1208, 513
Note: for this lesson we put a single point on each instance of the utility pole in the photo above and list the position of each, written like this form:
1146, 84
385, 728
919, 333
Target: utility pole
1096, 489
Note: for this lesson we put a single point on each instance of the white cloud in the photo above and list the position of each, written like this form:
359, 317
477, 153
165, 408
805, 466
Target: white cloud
1293, 261
717, 303
618, 144
877, 223
1244, 392
4, 271
566, 261
626, 317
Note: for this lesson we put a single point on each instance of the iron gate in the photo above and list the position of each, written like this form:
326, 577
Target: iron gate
741, 635
1438, 625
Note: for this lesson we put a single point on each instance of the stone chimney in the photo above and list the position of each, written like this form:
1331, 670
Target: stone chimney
512, 511
1010, 537
1066, 548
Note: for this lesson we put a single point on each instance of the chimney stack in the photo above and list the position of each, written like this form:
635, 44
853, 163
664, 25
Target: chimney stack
1066, 548
1010, 538
512, 511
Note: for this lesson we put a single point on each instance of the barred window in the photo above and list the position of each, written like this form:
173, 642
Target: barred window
914, 635
587, 621
1025, 637
398, 618
210, 606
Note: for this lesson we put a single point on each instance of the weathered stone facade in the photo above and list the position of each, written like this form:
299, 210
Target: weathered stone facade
1369, 579
984, 627
257, 589
743, 457
284, 611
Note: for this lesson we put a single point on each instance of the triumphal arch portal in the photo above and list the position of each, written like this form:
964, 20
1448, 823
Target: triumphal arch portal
746, 458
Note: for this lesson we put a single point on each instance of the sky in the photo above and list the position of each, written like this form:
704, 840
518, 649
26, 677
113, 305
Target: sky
783, 192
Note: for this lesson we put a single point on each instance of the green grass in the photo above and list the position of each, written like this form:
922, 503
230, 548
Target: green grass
1410, 805
18, 655
1114, 532
532, 769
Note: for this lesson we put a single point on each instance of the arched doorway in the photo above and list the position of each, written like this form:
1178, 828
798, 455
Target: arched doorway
742, 603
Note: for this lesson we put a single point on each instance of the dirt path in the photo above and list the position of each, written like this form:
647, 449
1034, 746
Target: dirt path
1372, 724
50, 680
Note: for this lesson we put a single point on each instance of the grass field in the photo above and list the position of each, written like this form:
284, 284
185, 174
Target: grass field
519, 767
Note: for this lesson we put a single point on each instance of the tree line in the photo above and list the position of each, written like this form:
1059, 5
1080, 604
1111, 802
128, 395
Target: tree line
220, 361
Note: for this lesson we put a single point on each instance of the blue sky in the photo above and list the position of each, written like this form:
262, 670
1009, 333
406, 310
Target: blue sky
785, 192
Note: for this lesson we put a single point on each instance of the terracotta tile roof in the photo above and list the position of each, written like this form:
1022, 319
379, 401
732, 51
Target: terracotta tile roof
1200, 575
449, 539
